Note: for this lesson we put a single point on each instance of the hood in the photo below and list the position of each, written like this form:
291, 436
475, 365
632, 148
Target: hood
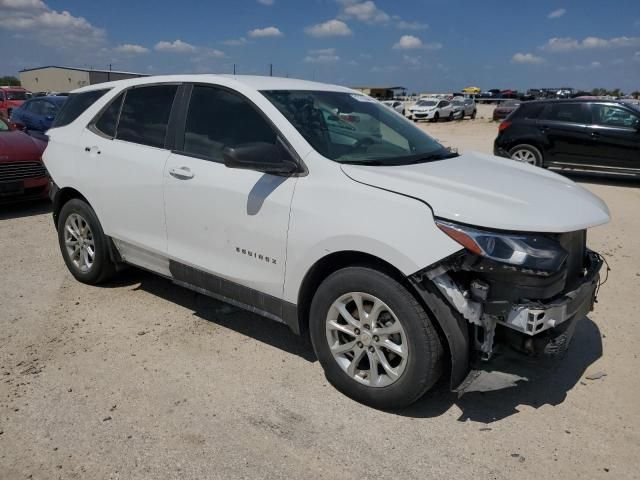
17, 146
491, 192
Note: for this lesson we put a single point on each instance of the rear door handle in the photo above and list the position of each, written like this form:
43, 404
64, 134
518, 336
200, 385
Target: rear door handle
183, 173
94, 149
595, 134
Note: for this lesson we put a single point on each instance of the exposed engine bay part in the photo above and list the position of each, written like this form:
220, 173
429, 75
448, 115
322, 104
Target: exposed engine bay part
472, 292
471, 310
468, 308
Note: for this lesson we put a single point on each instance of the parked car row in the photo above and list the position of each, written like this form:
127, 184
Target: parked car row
436, 109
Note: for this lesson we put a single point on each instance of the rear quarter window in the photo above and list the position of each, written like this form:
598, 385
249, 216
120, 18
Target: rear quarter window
528, 111
75, 106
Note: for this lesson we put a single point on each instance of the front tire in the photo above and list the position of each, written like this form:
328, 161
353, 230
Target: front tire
526, 154
83, 244
374, 340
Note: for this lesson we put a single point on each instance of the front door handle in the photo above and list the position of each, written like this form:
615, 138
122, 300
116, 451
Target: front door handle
595, 134
183, 173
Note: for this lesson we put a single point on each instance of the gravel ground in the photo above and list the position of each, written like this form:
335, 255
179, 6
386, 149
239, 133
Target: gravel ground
141, 379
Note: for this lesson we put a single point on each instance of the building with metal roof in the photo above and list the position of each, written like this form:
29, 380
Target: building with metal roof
54, 78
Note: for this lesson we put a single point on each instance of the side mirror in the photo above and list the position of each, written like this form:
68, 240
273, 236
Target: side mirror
261, 157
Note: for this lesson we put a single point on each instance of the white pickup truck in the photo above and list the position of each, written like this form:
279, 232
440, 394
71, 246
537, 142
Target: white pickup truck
317, 206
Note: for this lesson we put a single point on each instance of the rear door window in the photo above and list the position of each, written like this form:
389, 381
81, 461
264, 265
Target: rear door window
218, 118
75, 106
529, 111
145, 115
566, 112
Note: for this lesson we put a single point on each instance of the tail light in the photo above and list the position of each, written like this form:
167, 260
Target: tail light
504, 125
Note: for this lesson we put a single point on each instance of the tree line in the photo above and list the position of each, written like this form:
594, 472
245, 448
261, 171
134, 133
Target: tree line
10, 81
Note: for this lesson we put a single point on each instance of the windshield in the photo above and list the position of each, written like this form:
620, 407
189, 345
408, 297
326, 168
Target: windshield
13, 95
426, 103
353, 128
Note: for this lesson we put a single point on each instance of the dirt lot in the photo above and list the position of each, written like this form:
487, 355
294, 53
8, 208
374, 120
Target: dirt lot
143, 379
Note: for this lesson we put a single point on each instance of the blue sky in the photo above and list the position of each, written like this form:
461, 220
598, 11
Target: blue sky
425, 45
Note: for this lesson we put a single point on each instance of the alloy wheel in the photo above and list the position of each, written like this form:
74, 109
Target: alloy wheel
79, 242
524, 156
367, 339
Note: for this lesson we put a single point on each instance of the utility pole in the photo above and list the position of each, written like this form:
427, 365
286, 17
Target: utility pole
271, 69
234, 68
109, 74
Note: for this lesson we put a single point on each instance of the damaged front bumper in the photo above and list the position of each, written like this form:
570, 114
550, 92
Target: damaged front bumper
539, 326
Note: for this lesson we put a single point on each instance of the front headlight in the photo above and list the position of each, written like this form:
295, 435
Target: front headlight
527, 251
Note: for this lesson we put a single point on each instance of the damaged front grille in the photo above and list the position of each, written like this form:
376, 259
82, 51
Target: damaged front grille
527, 304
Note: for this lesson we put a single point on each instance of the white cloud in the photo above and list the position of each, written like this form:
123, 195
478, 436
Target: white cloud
23, 4
211, 53
330, 28
557, 13
366, 12
130, 48
568, 44
322, 55
265, 32
268, 3
408, 42
49, 27
236, 42
526, 58
177, 46
405, 25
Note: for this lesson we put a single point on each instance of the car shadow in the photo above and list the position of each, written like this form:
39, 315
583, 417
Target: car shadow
24, 209
548, 385
272, 333
539, 386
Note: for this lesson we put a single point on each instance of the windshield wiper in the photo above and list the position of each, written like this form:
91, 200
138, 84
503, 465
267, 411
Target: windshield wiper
376, 163
434, 157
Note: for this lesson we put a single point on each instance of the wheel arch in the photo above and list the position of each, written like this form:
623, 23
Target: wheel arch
64, 195
61, 197
455, 343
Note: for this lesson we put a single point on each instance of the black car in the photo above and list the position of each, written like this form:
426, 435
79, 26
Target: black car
593, 135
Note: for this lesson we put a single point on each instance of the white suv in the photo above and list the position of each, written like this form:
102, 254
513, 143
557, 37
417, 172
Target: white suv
318, 207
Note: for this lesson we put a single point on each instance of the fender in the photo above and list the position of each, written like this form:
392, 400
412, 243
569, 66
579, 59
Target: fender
453, 326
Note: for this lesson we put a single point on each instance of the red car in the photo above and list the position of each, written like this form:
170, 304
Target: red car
10, 98
503, 110
22, 173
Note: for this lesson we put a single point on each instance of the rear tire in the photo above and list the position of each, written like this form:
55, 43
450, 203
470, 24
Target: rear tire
526, 154
355, 314
83, 244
